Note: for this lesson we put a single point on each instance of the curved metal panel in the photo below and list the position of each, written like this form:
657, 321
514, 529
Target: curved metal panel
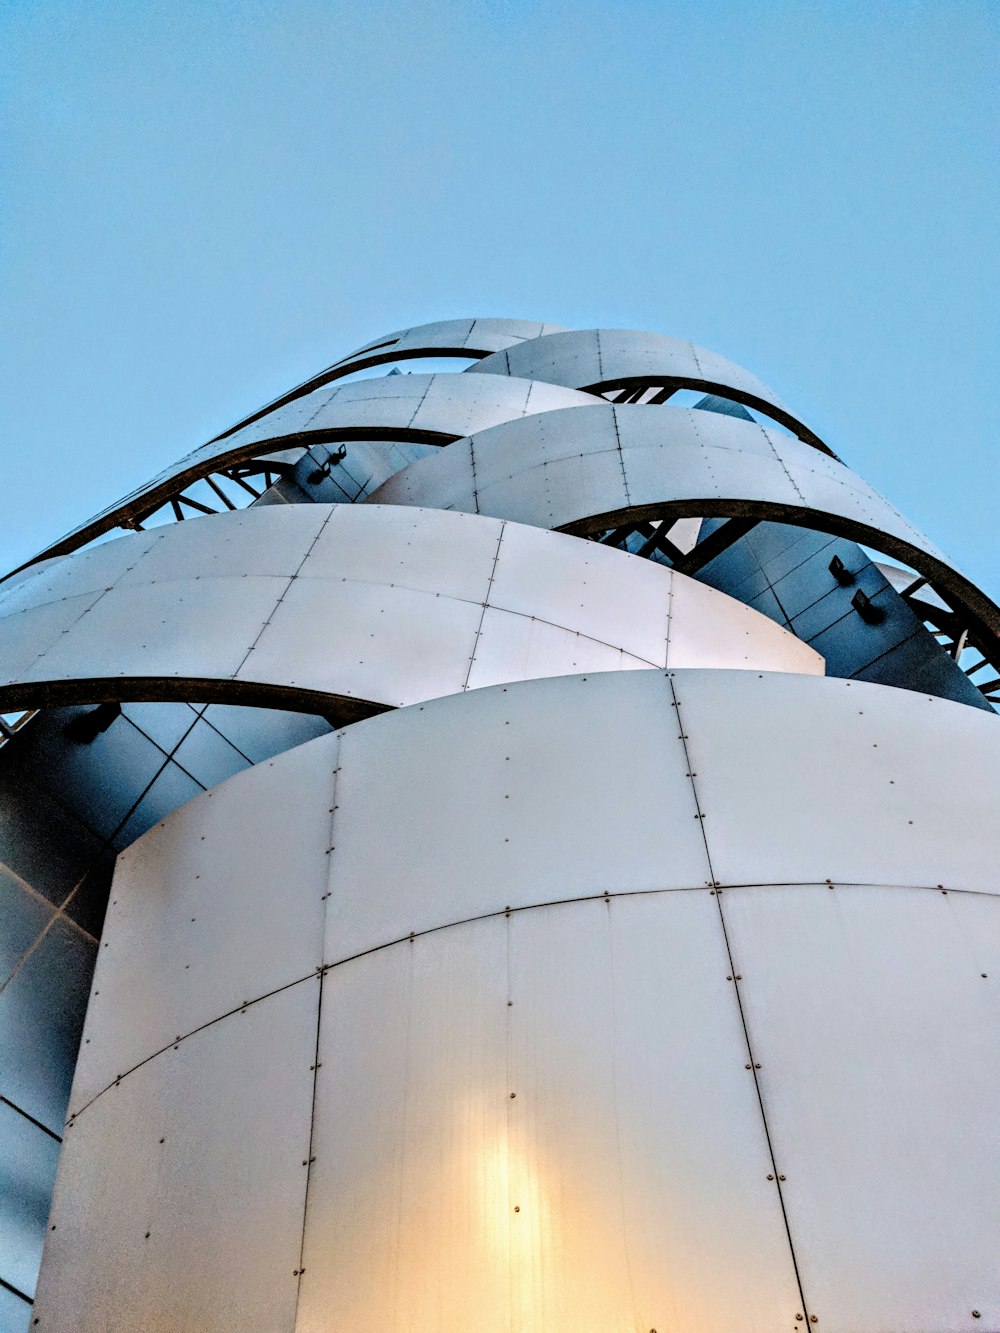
448, 337
430, 409
599, 466
179, 1198
561, 1104
525, 1180
600, 359
875, 1026
182, 904
315, 605
898, 790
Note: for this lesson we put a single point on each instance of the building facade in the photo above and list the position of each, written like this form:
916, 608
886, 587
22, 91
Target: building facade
509, 846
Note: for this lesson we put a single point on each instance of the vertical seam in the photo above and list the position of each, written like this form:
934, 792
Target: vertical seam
717, 890
486, 605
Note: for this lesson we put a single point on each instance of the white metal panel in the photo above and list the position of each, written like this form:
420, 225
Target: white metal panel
803, 780
26, 635
249, 543
596, 356
219, 904
560, 358
285, 420
516, 647
545, 790
477, 335
368, 641
558, 492
435, 486
426, 550
665, 454
92, 570
600, 592
467, 407
709, 629
202, 629
535, 440
876, 1032
203, 1148
408, 1217
638, 1155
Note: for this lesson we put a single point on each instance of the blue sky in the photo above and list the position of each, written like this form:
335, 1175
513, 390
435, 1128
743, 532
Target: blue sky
203, 203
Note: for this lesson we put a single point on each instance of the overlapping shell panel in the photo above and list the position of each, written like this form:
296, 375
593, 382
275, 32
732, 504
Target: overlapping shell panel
498, 921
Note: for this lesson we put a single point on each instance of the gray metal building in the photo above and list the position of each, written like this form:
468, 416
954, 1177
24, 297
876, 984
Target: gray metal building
504, 848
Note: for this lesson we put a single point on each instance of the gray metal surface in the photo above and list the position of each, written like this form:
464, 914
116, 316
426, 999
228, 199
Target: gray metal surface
423, 408
332, 607
641, 996
545, 1147
876, 1031
179, 1198
590, 469
516, 892
803, 781
195, 928
599, 359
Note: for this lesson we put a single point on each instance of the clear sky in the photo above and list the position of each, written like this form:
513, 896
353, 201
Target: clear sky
205, 202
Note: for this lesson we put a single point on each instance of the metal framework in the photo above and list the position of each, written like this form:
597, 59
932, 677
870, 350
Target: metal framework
498, 850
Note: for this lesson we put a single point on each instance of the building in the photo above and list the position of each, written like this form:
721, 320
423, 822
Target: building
566, 890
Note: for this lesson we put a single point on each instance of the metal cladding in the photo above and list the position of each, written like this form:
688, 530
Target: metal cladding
427, 409
622, 974
629, 360
425, 603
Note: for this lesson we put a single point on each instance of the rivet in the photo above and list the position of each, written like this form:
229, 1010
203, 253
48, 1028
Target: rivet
982, 974
513, 1095
746, 1066
770, 1177
799, 1316
975, 1314
517, 1208
739, 976
813, 1319
781, 1177
756, 1066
